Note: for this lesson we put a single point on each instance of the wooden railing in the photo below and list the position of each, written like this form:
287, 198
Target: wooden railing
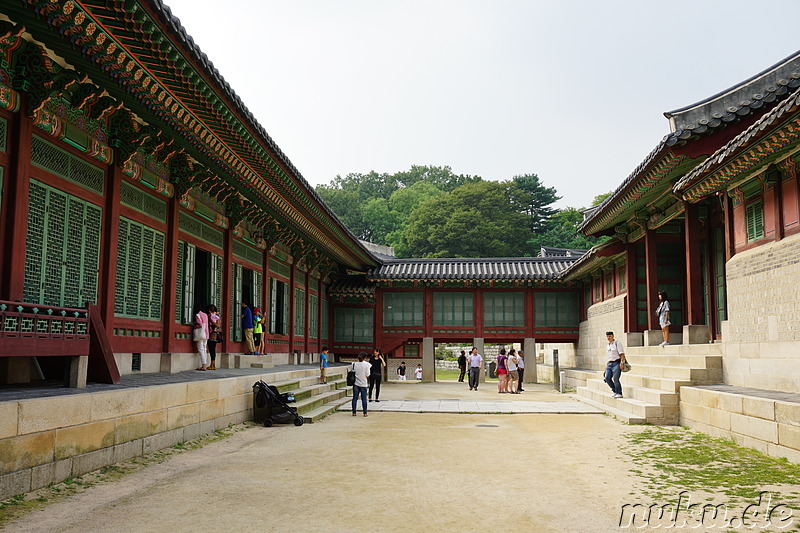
42, 330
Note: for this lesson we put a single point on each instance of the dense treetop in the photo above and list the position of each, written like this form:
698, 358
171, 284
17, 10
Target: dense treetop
429, 211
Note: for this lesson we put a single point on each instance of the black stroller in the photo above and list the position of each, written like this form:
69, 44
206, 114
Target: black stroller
274, 405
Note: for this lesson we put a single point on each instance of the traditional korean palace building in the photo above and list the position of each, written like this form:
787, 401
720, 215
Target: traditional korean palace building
137, 188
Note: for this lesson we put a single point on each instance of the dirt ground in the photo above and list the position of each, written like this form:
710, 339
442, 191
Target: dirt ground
389, 472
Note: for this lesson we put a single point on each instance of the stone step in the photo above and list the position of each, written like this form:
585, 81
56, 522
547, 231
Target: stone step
576, 377
321, 412
667, 359
654, 396
676, 349
253, 361
694, 375
630, 379
309, 404
635, 409
619, 414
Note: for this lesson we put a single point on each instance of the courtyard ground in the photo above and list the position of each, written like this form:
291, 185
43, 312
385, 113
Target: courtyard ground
405, 472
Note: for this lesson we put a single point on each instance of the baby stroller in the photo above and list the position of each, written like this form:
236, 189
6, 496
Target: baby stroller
274, 405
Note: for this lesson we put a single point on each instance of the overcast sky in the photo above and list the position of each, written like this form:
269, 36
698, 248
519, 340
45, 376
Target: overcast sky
570, 90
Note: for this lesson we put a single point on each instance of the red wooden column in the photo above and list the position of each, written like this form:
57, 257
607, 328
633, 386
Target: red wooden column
651, 272
631, 319
108, 260
171, 283
265, 307
226, 309
307, 314
17, 186
427, 306
694, 275
477, 320
530, 312
292, 268
377, 318
730, 229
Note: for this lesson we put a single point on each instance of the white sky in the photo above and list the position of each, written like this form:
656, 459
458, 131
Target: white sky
570, 90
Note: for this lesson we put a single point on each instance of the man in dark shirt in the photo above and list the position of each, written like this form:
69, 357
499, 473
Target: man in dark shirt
462, 365
247, 328
376, 373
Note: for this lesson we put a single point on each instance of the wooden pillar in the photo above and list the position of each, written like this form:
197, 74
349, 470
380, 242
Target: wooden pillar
631, 319
265, 307
17, 185
378, 320
730, 248
292, 303
694, 275
228, 312
530, 312
651, 273
108, 261
427, 299
171, 282
307, 314
778, 209
477, 319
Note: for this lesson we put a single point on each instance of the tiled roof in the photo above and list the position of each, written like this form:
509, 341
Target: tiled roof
763, 89
352, 285
549, 251
502, 268
721, 156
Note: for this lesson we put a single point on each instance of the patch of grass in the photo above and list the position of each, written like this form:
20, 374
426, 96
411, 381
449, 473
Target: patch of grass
688, 460
20, 504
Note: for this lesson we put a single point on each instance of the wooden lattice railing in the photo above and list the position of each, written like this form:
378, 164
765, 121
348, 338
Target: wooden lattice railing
42, 330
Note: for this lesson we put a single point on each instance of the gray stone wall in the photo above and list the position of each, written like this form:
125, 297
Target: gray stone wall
602, 317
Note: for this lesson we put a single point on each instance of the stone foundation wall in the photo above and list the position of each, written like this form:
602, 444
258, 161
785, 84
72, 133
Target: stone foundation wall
761, 337
47, 440
767, 425
602, 317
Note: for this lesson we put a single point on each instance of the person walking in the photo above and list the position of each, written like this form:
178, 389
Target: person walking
200, 335
462, 366
214, 334
401, 371
323, 366
663, 316
521, 369
512, 383
362, 369
615, 353
502, 372
247, 328
376, 363
475, 364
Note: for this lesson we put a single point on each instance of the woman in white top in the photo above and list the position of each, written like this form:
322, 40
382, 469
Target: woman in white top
362, 370
663, 316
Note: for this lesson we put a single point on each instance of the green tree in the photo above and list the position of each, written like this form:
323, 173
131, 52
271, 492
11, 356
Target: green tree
563, 233
531, 197
473, 220
600, 197
442, 177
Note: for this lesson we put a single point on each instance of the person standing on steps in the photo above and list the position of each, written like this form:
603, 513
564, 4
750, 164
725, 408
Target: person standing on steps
323, 366
663, 316
247, 328
462, 365
521, 368
475, 364
214, 334
615, 353
362, 370
377, 363
200, 336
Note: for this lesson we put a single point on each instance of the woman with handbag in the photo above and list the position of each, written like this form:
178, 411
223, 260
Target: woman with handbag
200, 336
214, 334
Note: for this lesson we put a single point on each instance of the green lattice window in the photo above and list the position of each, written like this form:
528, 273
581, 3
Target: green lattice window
411, 350
300, 278
247, 252
3, 135
143, 202
402, 308
754, 218
621, 274
504, 309
556, 309
325, 319
201, 230
278, 307
237, 275
299, 312
199, 281
313, 316
61, 163
353, 325
279, 268
453, 309
62, 253
140, 271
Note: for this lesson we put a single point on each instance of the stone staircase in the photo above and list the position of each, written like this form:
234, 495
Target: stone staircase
312, 400
651, 389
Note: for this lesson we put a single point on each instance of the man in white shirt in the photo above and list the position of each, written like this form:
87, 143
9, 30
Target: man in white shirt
362, 369
475, 364
615, 357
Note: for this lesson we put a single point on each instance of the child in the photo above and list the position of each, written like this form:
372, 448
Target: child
401, 371
323, 366
258, 321
418, 373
